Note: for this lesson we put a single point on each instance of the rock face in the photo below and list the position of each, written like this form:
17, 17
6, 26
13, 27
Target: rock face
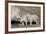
25, 18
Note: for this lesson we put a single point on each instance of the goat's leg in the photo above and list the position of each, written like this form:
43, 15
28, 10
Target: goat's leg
37, 22
26, 23
22, 23
30, 22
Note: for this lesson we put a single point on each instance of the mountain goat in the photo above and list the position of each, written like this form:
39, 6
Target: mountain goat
29, 18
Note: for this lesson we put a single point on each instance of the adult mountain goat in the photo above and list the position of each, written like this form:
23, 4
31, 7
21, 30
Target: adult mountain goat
29, 18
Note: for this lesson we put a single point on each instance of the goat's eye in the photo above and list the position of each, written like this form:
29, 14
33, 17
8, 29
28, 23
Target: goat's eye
33, 22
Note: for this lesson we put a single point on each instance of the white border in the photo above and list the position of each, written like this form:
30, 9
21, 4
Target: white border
23, 29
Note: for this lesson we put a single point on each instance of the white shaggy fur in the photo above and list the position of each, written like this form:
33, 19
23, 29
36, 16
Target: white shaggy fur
24, 18
29, 18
